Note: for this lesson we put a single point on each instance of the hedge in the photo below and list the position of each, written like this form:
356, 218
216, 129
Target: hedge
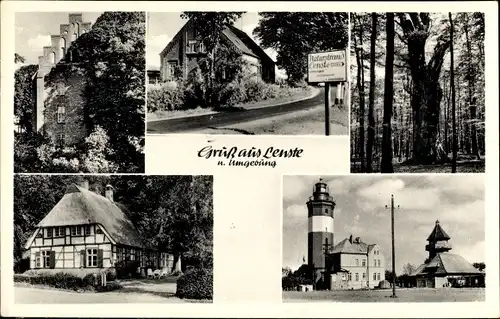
195, 284
63, 280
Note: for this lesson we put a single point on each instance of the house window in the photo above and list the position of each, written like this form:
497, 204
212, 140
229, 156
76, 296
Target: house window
87, 230
60, 139
201, 47
171, 66
76, 231
363, 263
52, 58
374, 276
192, 46
49, 232
92, 257
357, 262
44, 261
61, 114
59, 231
378, 276
375, 262
357, 277
364, 275
350, 277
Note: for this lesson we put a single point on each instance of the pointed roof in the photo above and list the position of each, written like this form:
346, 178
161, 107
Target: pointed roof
438, 233
446, 264
238, 38
80, 206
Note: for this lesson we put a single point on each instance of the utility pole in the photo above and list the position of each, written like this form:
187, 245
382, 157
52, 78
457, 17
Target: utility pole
327, 108
368, 266
393, 249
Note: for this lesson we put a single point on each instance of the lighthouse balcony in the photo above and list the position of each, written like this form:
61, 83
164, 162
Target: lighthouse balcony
321, 197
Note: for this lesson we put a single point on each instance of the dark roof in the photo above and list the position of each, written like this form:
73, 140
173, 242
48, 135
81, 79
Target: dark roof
237, 37
345, 246
444, 264
81, 206
438, 233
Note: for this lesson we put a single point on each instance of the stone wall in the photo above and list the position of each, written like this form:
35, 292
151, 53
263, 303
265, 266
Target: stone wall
66, 89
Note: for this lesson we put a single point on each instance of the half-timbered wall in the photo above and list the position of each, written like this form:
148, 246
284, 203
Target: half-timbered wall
71, 247
76, 246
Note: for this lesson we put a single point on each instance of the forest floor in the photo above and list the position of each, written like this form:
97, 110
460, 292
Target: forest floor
465, 164
383, 295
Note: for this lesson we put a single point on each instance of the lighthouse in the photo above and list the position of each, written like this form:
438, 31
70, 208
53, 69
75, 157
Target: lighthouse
320, 230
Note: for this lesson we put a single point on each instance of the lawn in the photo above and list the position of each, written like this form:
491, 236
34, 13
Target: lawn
384, 295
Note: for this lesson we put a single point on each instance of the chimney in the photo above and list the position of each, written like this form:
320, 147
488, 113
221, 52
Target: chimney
358, 240
109, 192
350, 239
84, 184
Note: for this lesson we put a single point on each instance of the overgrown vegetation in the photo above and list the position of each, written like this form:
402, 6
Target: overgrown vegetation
425, 110
196, 284
61, 280
111, 57
291, 280
222, 79
170, 213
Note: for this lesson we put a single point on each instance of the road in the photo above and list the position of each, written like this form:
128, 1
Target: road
178, 125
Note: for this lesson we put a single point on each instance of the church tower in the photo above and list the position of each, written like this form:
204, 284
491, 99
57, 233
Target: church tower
320, 231
438, 241
57, 52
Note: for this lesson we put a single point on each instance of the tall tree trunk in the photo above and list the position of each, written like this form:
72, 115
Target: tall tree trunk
386, 165
371, 102
471, 99
361, 90
452, 86
426, 93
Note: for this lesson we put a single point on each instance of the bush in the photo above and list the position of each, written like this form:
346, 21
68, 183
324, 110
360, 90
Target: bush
166, 97
68, 281
196, 284
22, 265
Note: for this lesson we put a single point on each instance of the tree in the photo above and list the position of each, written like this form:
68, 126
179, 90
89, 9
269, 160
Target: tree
360, 81
18, 58
480, 266
171, 213
112, 54
214, 23
386, 165
293, 35
25, 97
452, 85
285, 271
371, 103
427, 92
408, 269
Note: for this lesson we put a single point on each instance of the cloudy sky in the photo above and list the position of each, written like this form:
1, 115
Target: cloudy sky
456, 201
33, 31
163, 26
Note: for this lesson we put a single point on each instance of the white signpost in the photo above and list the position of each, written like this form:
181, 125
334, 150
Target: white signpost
328, 67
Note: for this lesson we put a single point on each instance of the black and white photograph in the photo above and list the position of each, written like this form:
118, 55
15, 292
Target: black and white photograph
246, 73
367, 238
79, 92
418, 93
113, 239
